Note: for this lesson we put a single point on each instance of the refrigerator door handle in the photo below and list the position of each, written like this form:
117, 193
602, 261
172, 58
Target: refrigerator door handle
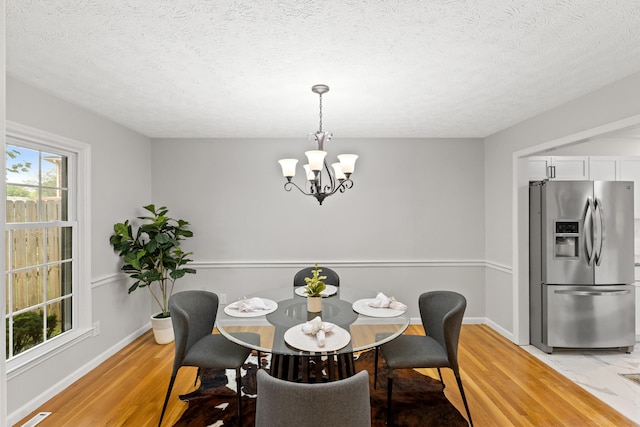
592, 293
598, 227
588, 231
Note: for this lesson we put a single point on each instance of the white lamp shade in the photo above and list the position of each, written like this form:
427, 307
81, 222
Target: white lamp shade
348, 162
316, 159
309, 173
288, 167
338, 170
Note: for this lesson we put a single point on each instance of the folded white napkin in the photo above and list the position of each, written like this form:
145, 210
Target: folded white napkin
318, 328
249, 305
383, 301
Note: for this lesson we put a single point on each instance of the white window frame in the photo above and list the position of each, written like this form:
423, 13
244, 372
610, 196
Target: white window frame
80, 180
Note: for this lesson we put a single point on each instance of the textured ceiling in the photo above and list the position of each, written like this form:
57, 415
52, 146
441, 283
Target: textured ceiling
438, 68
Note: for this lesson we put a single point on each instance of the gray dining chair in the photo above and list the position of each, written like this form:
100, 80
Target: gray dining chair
441, 313
283, 403
332, 276
193, 314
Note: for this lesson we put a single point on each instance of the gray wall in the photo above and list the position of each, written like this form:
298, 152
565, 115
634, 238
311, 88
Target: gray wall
412, 221
121, 182
506, 187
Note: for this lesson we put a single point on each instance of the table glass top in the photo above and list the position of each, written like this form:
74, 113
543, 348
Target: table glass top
366, 331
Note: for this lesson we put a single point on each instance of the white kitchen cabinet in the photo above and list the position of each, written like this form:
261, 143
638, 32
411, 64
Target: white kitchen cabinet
573, 168
604, 168
538, 167
630, 171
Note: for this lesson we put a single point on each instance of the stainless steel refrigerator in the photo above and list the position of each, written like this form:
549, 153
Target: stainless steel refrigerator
581, 265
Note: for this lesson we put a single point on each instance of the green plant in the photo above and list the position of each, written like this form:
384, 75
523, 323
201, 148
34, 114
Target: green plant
27, 330
152, 254
315, 284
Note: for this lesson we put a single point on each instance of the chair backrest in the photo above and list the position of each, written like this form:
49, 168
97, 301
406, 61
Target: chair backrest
338, 403
441, 313
193, 314
332, 276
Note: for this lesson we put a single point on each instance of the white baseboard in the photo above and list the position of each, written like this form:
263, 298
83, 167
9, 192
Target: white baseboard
52, 391
499, 329
465, 321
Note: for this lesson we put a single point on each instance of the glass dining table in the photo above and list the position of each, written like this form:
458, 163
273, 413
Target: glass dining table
296, 357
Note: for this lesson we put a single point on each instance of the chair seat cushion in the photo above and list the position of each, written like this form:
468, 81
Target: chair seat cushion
217, 352
414, 351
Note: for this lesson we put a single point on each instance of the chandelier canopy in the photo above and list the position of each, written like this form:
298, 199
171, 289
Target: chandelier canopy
339, 175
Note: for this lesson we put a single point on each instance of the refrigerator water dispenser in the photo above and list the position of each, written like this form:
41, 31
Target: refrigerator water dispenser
567, 239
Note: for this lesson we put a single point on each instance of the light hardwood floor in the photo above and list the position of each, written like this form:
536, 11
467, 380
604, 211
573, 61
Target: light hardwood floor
505, 386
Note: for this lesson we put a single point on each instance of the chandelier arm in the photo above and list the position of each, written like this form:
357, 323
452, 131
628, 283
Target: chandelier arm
289, 184
344, 186
332, 180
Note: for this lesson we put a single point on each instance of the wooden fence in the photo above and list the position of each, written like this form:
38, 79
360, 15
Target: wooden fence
30, 247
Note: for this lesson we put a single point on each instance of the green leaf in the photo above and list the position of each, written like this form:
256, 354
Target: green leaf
151, 246
162, 239
176, 274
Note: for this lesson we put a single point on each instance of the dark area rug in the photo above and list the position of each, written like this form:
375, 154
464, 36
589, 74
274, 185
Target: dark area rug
418, 400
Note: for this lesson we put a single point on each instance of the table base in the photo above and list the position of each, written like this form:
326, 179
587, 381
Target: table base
312, 369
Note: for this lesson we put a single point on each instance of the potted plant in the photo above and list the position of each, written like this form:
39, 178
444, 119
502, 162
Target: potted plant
152, 256
313, 290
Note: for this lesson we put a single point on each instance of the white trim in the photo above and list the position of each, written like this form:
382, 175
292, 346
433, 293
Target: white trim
37, 355
20, 131
217, 265
207, 265
48, 394
465, 321
499, 329
3, 196
211, 265
105, 280
499, 267
580, 136
80, 198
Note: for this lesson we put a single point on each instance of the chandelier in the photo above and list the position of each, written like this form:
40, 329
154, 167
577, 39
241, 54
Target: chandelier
339, 175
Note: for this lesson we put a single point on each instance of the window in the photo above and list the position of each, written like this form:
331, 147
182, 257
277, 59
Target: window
46, 286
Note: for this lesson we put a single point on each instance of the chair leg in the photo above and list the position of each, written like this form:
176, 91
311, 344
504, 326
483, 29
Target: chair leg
239, 391
389, 390
464, 398
197, 376
441, 380
166, 399
375, 369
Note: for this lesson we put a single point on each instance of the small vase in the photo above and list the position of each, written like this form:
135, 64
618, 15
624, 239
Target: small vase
314, 304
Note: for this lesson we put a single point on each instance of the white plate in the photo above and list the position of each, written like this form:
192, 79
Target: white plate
362, 306
330, 290
273, 306
334, 340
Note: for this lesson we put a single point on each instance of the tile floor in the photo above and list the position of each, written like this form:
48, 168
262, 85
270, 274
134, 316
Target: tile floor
598, 372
